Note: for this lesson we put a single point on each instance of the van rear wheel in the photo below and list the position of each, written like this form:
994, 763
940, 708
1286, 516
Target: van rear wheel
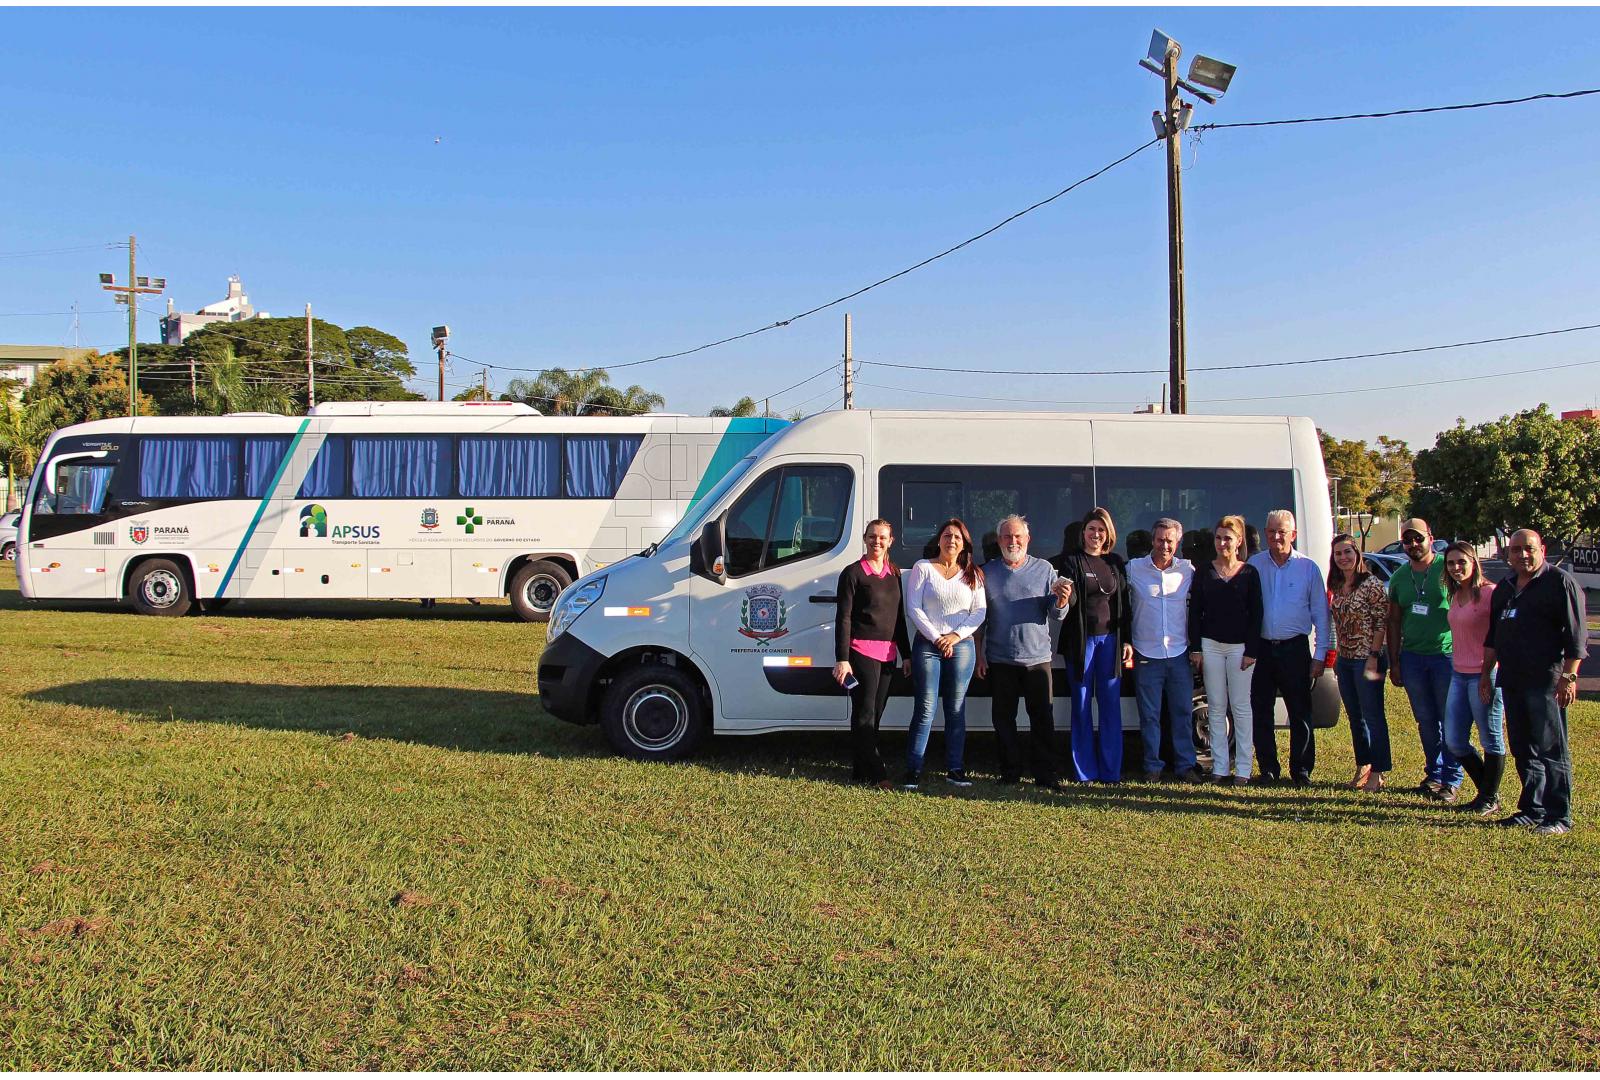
653, 713
159, 587
534, 588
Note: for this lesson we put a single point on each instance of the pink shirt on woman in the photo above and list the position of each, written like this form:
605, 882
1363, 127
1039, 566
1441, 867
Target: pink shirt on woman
881, 651
1469, 625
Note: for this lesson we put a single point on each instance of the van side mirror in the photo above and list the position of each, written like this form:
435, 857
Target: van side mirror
707, 557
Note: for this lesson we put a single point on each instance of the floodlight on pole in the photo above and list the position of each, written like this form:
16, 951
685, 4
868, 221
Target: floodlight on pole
1170, 122
129, 294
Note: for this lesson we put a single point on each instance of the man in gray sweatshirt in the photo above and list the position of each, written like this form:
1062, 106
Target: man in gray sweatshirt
1026, 598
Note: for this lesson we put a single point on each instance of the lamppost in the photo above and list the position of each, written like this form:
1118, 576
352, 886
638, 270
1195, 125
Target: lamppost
129, 294
1169, 124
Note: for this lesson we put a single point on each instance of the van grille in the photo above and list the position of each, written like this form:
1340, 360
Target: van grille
105, 539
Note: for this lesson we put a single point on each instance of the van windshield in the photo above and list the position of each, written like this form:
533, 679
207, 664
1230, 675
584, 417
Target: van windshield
697, 514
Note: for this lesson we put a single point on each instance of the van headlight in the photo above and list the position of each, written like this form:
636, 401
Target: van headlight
573, 603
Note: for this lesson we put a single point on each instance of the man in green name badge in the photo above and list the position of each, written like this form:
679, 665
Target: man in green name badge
1419, 653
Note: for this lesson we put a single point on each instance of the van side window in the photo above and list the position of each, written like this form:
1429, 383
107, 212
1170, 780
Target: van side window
1136, 497
919, 498
791, 513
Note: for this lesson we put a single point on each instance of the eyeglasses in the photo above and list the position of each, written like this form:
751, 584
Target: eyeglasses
1413, 538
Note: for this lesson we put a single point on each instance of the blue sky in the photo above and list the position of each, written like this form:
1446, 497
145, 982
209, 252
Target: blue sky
614, 184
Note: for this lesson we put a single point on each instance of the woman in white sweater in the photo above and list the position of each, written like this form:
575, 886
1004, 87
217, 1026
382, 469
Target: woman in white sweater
944, 607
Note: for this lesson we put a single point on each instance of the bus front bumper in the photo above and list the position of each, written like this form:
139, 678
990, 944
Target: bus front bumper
567, 676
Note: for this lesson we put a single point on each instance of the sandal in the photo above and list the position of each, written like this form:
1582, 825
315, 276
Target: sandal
1374, 783
1359, 781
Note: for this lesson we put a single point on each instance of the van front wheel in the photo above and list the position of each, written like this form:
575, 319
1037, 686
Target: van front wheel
653, 713
534, 588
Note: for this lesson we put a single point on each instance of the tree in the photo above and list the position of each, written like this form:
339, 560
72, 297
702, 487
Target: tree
92, 387
559, 392
1355, 467
1395, 465
745, 406
22, 436
475, 392
1531, 470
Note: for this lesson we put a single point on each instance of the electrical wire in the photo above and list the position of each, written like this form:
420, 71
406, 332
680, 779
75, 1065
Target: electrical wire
1244, 367
1405, 386
1396, 112
984, 397
61, 251
32, 314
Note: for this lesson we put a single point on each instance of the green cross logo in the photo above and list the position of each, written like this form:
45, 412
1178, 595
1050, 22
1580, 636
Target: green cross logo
469, 519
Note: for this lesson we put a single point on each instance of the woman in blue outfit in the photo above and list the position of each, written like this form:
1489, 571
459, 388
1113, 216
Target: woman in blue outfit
945, 606
1096, 643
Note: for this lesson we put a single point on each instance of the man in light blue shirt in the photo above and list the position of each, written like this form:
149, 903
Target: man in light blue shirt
1159, 586
1294, 607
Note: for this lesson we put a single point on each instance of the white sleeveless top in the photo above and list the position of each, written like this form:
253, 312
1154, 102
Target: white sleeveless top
936, 606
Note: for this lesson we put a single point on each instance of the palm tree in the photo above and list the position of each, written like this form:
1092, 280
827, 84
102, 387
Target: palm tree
224, 386
23, 431
559, 392
745, 406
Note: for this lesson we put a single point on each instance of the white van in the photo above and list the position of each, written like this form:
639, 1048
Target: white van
727, 624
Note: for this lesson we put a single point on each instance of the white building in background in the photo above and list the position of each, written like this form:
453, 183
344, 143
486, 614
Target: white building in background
24, 362
235, 307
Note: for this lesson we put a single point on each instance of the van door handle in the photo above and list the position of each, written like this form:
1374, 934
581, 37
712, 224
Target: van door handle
824, 598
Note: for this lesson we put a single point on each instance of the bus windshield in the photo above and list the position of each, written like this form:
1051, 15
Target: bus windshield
697, 514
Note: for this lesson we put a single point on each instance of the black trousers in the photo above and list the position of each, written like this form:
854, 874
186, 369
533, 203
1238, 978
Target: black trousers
1536, 729
1284, 667
1031, 683
867, 701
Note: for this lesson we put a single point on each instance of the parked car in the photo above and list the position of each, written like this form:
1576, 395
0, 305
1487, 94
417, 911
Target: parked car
8, 535
1383, 566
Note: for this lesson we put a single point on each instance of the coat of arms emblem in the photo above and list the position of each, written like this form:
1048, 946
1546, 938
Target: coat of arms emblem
138, 533
430, 518
763, 616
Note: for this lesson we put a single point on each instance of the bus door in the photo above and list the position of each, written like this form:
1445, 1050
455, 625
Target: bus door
69, 533
764, 624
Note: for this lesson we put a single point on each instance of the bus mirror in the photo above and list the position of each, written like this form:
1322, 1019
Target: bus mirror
706, 557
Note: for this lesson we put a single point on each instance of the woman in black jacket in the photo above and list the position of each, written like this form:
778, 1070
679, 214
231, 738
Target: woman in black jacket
1096, 643
870, 641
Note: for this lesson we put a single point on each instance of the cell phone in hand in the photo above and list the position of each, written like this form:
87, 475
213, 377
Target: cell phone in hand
851, 682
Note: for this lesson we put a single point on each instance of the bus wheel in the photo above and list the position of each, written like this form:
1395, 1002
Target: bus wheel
534, 588
159, 588
653, 713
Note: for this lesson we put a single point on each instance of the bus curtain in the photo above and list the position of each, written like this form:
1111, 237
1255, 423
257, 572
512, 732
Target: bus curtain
400, 467
596, 464
193, 467
325, 478
509, 467
262, 453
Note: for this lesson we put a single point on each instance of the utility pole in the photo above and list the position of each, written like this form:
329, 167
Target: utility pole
483, 392
441, 334
311, 372
129, 294
849, 375
1170, 121
1178, 366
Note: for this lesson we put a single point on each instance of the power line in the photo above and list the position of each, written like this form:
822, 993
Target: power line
1414, 385
32, 314
1397, 112
983, 397
61, 251
1245, 367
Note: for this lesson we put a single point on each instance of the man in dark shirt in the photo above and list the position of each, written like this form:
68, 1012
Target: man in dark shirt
1537, 635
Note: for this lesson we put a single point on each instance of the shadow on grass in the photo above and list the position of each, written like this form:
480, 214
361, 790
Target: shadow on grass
448, 718
487, 721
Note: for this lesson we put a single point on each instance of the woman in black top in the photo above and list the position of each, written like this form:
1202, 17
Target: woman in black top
1096, 642
1224, 638
870, 641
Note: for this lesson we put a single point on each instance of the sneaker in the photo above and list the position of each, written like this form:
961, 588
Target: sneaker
958, 777
1219, 778
1428, 788
1448, 795
1551, 828
1241, 781
1191, 775
910, 781
1488, 809
1300, 780
1518, 820
1152, 778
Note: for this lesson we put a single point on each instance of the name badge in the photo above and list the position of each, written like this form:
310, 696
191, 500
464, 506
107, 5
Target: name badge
1155, 590
1419, 609
1509, 613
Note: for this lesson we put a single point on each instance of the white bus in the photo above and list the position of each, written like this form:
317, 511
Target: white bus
360, 499
727, 624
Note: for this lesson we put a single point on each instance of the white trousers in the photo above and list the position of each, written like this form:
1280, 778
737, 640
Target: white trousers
1228, 690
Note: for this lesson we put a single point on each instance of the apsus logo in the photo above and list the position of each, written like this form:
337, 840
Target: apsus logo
763, 616
313, 521
355, 532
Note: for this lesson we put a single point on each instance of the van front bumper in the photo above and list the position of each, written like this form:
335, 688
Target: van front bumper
567, 677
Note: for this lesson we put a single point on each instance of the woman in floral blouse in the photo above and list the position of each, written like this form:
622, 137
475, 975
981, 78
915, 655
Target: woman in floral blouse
1360, 619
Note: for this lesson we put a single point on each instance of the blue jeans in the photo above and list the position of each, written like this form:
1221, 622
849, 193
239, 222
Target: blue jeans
1363, 703
936, 677
1464, 710
1097, 755
1427, 682
1174, 676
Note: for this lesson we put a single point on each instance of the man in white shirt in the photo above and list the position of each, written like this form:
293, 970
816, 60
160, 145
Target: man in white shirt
1295, 635
1159, 585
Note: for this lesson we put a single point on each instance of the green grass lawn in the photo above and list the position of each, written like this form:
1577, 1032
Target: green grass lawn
348, 837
